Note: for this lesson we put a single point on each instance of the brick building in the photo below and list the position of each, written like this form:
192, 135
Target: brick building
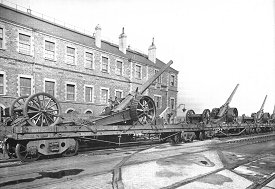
80, 70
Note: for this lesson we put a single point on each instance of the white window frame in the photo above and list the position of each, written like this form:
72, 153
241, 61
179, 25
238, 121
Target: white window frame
174, 103
160, 101
31, 45
160, 77
75, 53
93, 57
174, 80
4, 82
50, 80
75, 95
4, 37
122, 67
93, 93
119, 90
52, 41
108, 94
18, 83
105, 56
136, 65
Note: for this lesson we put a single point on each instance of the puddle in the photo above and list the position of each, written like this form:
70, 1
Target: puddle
55, 175
168, 173
216, 179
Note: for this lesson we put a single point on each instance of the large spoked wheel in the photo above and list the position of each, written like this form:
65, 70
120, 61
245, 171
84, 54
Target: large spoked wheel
72, 150
16, 108
189, 113
206, 116
143, 110
42, 110
25, 154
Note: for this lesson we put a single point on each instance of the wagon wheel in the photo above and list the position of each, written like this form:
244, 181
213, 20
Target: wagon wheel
143, 110
9, 148
17, 106
72, 150
188, 116
206, 116
25, 154
42, 110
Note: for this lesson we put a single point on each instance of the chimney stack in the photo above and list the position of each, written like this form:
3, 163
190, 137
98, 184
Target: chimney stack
98, 36
122, 42
152, 52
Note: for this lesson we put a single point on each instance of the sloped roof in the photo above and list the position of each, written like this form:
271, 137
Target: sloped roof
36, 23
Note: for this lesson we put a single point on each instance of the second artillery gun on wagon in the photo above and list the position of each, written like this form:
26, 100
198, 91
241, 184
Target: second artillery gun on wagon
225, 113
259, 117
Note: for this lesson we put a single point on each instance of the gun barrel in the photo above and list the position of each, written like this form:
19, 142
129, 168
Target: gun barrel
262, 107
232, 94
152, 79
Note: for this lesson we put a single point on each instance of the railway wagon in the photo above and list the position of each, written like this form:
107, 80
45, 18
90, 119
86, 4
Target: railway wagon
33, 126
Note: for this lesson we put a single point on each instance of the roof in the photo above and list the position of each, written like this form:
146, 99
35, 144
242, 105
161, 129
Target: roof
37, 23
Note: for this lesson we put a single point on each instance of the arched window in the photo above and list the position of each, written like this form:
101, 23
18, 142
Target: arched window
88, 112
69, 111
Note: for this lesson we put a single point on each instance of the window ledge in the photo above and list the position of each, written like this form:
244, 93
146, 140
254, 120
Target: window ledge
26, 54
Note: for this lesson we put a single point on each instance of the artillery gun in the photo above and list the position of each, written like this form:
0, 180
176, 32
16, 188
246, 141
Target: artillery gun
225, 113
259, 117
191, 117
42, 109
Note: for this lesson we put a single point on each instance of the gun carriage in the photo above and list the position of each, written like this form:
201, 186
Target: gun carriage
43, 110
259, 117
225, 113
191, 117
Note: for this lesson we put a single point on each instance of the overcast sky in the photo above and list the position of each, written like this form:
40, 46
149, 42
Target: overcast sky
214, 44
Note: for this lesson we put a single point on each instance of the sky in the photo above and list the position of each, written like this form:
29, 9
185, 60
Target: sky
214, 44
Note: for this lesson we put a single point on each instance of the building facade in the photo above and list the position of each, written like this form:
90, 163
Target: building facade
81, 71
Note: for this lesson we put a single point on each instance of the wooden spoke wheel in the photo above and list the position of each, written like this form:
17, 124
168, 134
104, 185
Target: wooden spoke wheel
189, 114
143, 110
25, 154
42, 110
206, 116
16, 108
72, 150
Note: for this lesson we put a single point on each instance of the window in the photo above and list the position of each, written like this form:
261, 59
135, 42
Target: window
172, 103
1, 38
88, 112
104, 96
89, 94
49, 87
70, 55
172, 80
105, 64
138, 72
24, 44
49, 50
2, 84
89, 60
157, 101
25, 86
70, 92
69, 111
158, 80
118, 94
118, 67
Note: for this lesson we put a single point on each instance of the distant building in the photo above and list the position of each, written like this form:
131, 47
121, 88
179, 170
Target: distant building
81, 71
